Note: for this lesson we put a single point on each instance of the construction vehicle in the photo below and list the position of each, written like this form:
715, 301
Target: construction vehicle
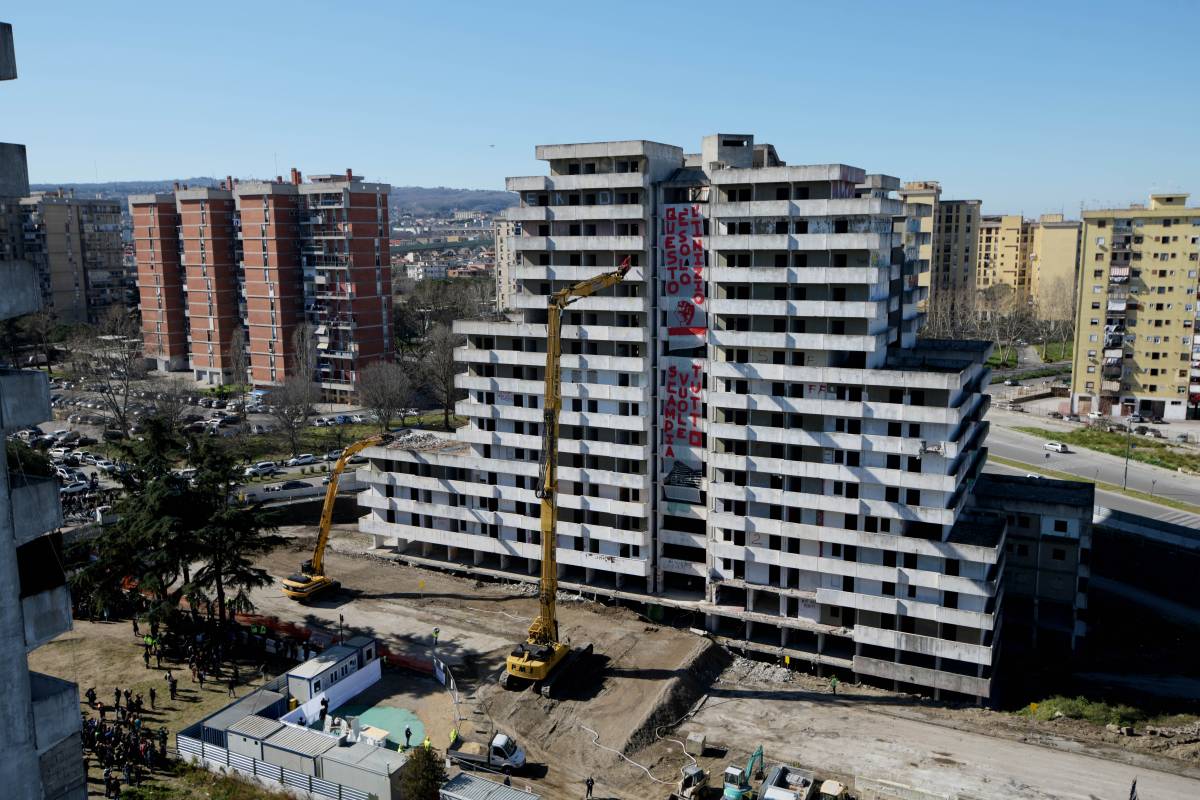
737, 779
834, 790
311, 580
788, 783
692, 785
542, 658
503, 755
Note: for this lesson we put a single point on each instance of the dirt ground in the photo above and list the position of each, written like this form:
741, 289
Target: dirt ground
107, 656
639, 667
642, 686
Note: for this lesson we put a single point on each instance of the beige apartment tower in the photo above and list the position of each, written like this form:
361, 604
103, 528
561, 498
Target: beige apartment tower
1137, 311
1054, 266
944, 234
1003, 254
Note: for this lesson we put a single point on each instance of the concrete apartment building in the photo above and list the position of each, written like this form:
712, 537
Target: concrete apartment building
269, 257
943, 231
1037, 259
1047, 559
1137, 310
40, 738
1003, 254
75, 243
751, 429
1054, 266
503, 232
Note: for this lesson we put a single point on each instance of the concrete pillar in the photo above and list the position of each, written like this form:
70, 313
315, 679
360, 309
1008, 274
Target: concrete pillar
589, 574
451, 553
820, 652
619, 577
750, 595
19, 766
505, 559
478, 556
710, 623
749, 630
425, 548
783, 636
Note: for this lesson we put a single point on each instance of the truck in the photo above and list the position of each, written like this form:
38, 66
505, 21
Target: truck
691, 785
788, 783
502, 755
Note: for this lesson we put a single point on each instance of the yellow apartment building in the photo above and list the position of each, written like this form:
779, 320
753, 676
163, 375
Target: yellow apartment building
1137, 311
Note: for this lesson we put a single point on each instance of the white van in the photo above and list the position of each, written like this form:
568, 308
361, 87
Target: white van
1057, 447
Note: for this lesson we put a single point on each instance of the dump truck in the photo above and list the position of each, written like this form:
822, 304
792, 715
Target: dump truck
502, 755
691, 785
788, 783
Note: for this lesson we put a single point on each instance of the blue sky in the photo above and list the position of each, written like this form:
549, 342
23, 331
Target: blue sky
1031, 107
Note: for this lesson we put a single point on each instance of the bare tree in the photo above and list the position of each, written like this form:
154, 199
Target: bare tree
439, 368
109, 360
304, 347
239, 363
38, 327
291, 405
1056, 309
170, 401
386, 389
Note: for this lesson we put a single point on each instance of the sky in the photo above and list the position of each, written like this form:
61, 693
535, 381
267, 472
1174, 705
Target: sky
1030, 107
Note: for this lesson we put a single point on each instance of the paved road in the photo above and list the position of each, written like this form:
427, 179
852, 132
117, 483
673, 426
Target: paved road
858, 736
1019, 446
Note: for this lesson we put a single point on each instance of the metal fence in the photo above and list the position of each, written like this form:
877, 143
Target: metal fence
208, 755
445, 677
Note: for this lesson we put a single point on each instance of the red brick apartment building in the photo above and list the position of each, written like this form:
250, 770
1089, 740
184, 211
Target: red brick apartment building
270, 257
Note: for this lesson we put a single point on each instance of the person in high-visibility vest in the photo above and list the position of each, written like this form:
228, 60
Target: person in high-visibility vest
427, 743
453, 736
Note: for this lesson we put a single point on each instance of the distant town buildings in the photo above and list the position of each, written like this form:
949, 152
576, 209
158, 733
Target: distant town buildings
271, 258
40, 737
1136, 350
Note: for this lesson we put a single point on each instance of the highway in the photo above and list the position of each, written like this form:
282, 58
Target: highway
1011, 444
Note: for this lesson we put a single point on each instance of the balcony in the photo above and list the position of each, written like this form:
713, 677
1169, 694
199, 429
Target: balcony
24, 398
35, 506
574, 243
47, 614
55, 710
923, 676
1110, 387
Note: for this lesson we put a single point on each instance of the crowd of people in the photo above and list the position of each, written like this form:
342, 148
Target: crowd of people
120, 737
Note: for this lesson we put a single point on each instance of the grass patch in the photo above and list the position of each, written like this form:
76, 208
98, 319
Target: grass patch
1108, 487
1141, 448
1099, 713
1093, 711
1010, 360
188, 782
1057, 351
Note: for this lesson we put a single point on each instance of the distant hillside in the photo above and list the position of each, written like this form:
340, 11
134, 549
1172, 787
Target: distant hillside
421, 200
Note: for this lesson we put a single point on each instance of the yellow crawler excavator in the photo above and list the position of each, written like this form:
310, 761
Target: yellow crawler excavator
311, 580
542, 658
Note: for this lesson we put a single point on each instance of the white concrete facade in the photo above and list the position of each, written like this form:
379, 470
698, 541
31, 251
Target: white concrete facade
40, 739
750, 428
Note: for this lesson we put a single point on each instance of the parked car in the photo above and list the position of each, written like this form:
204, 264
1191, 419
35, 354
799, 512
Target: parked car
294, 485
342, 419
1054, 415
58, 452
333, 455
1155, 433
1072, 418
107, 467
1181, 437
75, 487
1012, 382
1057, 447
1136, 418
262, 469
357, 419
319, 422
302, 460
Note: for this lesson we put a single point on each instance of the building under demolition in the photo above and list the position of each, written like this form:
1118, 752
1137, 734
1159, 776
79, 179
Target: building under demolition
750, 429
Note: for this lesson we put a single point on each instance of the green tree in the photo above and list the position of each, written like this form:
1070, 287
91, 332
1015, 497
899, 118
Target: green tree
151, 544
230, 534
423, 775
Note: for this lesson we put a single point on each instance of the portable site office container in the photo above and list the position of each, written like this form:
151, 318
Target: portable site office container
307, 680
465, 786
297, 749
245, 737
365, 767
263, 702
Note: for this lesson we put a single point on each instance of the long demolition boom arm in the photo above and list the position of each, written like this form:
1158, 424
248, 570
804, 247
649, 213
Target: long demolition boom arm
545, 628
317, 565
